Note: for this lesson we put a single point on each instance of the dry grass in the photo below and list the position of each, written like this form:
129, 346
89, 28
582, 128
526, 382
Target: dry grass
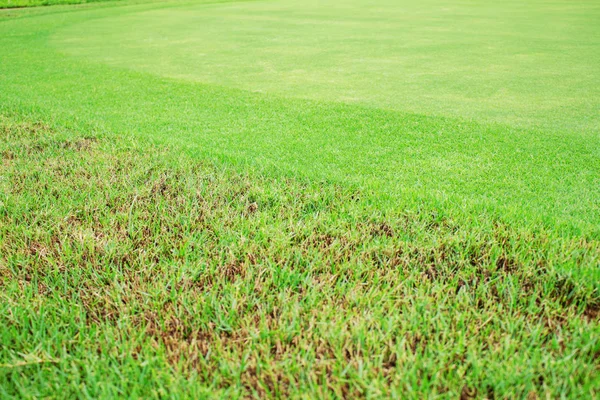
128, 270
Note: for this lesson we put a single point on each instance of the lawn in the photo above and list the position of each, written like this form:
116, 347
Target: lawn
300, 199
36, 3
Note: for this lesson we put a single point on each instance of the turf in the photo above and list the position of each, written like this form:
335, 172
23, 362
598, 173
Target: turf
37, 3
519, 63
129, 270
284, 199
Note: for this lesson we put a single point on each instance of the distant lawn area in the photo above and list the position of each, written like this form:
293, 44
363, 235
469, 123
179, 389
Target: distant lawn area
300, 199
36, 3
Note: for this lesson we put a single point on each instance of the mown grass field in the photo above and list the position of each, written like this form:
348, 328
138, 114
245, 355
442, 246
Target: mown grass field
36, 3
300, 199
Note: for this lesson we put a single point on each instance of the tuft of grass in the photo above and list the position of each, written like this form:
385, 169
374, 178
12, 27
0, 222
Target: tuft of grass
130, 270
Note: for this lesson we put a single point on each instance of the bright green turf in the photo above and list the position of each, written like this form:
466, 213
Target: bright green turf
426, 182
514, 62
524, 175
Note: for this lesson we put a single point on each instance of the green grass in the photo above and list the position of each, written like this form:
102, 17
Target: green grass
524, 64
129, 270
280, 198
36, 3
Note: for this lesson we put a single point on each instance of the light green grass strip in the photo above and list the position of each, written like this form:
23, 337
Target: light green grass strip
517, 63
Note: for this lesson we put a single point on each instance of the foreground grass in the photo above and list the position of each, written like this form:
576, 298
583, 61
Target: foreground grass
130, 270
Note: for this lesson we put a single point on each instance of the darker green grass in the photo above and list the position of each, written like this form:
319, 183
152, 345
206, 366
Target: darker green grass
37, 3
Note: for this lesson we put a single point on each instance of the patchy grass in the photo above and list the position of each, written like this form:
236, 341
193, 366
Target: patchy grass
300, 199
130, 270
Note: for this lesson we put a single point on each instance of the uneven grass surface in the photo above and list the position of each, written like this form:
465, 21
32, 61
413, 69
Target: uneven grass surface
128, 270
300, 199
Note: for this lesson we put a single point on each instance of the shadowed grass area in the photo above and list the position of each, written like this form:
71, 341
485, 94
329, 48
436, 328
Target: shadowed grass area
36, 3
129, 270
